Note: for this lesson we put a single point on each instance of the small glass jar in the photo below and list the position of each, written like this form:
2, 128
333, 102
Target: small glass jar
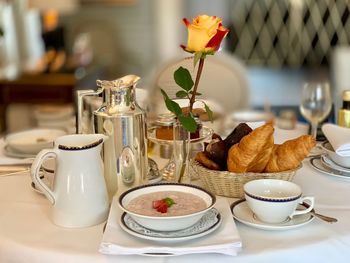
165, 123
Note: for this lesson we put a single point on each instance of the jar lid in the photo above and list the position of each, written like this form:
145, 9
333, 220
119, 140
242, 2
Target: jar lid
346, 95
166, 119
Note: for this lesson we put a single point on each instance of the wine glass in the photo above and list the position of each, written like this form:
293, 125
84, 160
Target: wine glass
316, 104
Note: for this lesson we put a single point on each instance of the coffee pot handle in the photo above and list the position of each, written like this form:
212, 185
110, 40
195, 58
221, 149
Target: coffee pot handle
35, 173
80, 96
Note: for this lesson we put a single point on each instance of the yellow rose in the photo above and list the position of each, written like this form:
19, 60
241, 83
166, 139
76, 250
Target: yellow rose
205, 34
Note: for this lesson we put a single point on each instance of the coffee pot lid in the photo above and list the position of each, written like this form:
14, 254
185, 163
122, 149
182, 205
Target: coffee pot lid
123, 82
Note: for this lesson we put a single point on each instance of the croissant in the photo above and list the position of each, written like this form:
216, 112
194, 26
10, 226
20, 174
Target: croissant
261, 160
246, 156
289, 155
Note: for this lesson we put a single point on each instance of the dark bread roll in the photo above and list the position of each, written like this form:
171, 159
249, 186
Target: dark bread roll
202, 158
216, 151
237, 134
215, 155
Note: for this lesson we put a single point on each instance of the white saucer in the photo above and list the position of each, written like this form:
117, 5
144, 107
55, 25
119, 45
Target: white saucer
243, 214
8, 151
317, 164
34, 140
210, 221
316, 151
331, 164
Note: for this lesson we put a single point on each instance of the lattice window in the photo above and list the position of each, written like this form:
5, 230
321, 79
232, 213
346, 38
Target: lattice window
289, 32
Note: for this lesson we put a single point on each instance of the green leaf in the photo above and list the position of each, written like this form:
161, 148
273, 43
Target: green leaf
164, 94
188, 122
196, 58
209, 112
171, 105
169, 202
183, 78
181, 94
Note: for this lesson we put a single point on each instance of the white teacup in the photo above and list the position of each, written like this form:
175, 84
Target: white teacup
273, 201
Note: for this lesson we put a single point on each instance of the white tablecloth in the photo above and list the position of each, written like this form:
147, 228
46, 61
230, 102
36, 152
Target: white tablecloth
28, 235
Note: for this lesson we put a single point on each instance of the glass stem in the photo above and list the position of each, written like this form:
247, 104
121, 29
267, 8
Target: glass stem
314, 129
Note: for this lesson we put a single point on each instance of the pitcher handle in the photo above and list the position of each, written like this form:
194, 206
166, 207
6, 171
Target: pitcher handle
80, 95
34, 171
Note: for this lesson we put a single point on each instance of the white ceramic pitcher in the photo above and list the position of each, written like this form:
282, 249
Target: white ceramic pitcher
78, 196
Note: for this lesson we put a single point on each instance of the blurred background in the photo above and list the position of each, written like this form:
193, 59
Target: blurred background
49, 49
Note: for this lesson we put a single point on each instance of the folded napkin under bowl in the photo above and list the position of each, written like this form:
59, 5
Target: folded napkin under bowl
224, 240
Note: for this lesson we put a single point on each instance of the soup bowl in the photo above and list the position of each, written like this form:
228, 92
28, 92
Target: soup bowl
341, 160
179, 216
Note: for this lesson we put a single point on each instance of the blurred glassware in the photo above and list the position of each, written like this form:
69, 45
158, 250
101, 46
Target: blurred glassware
316, 103
287, 119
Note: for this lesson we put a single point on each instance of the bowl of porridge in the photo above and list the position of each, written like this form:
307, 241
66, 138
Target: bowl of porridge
166, 206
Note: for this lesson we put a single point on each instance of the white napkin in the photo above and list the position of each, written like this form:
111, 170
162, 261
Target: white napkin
339, 138
224, 240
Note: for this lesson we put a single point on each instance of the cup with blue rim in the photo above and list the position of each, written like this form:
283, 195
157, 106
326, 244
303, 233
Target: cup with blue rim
274, 201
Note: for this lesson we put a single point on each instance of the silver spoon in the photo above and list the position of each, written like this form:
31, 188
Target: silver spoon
322, 217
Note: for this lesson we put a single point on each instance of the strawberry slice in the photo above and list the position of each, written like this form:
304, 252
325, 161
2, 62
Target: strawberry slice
162, 204
163, 208
157, 203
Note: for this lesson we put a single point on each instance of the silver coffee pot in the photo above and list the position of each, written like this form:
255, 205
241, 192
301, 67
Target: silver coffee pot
124, 122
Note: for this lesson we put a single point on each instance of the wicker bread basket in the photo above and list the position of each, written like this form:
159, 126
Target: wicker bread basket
229, 184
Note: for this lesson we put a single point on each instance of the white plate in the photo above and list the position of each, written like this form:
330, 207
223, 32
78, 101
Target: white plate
316, 151
8, 151
210, 221
243, 214
251, 116
53, 112
317, 164
331, 164
32, 141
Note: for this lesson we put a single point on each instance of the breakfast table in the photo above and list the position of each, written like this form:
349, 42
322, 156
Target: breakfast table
28, 235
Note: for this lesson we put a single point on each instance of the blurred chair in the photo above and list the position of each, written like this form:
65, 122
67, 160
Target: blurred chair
223, 80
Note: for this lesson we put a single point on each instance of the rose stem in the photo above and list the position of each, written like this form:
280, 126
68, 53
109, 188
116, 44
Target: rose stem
199, 72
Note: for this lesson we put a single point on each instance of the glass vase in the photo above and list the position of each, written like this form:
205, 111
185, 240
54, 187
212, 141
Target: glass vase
181, 153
